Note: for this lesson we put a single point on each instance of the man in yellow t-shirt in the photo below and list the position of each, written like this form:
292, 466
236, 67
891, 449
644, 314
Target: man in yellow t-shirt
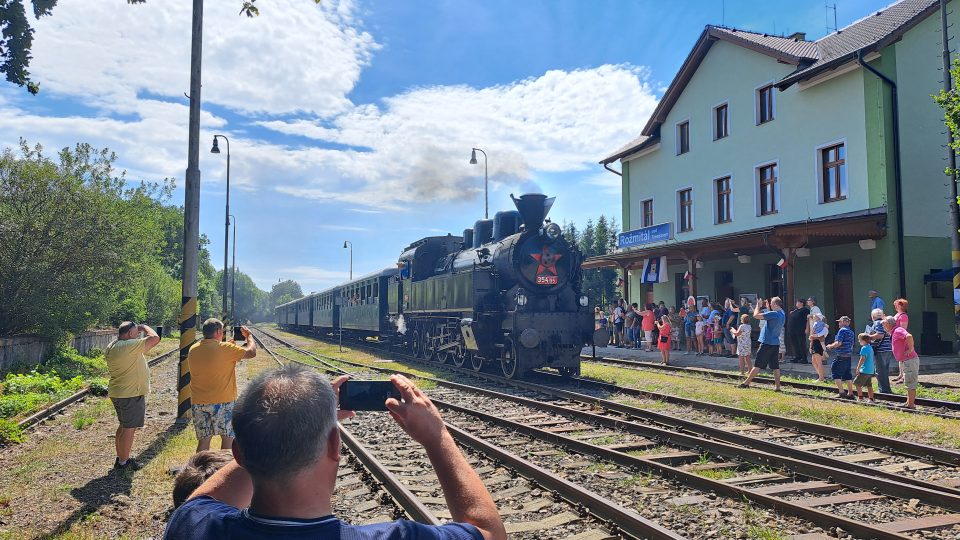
213, 383
129, 385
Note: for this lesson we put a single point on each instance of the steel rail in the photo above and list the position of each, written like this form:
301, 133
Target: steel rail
55, 408
897, 398
403, 496
617, 516
916, 450
818, 517
769, 453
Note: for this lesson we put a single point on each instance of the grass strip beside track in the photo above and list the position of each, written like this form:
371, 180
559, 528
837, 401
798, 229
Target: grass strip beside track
919, 428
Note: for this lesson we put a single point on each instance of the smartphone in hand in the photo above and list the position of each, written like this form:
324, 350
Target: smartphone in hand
238, 334
367, 395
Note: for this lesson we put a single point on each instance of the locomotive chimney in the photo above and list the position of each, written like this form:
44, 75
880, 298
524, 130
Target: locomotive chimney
534, 208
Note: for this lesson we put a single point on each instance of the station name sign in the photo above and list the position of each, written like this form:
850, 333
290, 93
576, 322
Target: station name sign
646, 235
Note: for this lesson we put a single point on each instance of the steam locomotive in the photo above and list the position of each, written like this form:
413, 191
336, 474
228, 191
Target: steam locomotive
507, 292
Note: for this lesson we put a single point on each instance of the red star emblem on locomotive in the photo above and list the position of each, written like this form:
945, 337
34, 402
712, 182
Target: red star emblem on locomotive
547, 260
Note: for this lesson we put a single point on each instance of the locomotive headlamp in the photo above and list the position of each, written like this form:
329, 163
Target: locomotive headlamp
521, 298
584, 301
553, 231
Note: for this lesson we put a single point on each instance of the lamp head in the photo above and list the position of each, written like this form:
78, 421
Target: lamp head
344, 244
216, 148
473, 156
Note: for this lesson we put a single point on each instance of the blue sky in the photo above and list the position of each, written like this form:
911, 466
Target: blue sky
354, 120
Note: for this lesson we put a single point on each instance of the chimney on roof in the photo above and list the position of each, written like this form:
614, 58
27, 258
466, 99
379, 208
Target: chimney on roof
798, 36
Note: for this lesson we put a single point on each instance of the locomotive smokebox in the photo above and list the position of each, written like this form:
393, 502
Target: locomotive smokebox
534, 208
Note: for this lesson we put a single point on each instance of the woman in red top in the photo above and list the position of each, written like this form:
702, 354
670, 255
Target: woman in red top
663, 325
647, 319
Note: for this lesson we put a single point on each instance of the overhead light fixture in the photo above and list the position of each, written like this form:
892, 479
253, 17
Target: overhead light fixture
699, 264
744, 259
802, 252
868, 244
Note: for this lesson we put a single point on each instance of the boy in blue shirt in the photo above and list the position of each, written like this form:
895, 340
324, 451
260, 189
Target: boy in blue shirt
843, 345
866, 368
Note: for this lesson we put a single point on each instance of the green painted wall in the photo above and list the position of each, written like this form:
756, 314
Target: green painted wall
804, 120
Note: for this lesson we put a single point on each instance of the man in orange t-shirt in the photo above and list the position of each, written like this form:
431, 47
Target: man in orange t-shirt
213, 383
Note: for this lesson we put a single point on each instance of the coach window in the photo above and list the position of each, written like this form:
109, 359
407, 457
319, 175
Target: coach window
376, 286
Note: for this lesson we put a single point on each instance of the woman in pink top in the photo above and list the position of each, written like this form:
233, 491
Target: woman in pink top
900, 304
663, 343
905, 352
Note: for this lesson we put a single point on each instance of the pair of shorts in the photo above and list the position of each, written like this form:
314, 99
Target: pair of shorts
130, 410
690, 331
864, 379
728, 337
910, 368
717, 340
213, 419
768, 357
816, 347
841, 369
648, 336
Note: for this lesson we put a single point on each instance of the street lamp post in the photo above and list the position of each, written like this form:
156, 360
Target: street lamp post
233, 273
345, 242
486, 193
226, 223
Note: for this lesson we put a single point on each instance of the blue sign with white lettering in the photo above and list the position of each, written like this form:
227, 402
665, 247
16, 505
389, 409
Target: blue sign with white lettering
646, 235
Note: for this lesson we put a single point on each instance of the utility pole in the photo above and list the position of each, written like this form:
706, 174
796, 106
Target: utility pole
191, 222
952, 164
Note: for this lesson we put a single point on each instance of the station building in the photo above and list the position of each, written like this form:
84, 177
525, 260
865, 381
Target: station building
767, 148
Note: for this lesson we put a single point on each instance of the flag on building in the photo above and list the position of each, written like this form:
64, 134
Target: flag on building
687, 276
782, 263
654, 270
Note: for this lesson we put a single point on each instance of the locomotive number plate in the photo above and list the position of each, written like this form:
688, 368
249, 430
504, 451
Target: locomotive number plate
547, 280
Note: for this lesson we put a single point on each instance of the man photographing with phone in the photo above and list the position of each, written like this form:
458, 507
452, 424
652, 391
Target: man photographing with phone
213, 382
287, 454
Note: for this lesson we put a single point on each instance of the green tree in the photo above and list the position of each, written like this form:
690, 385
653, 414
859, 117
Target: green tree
16, 35
284, 292
72, 239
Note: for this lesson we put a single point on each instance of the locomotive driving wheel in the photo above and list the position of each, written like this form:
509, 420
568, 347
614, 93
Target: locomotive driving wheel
458, 354
509, 361
416, 344
476, 361
429, 346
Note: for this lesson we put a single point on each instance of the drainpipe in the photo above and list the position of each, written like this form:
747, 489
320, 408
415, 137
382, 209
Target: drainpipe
951, 163
607, 167
896, 168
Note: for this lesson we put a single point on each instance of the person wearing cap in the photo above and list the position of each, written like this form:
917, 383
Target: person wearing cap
129, 385
818, 333
906, 354
843, 344
768, 355
875, 301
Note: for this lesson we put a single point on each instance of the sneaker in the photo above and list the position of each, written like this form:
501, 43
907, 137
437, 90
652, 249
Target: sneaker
873, 402
130, 465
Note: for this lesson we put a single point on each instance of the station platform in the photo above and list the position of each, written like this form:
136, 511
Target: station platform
929, 365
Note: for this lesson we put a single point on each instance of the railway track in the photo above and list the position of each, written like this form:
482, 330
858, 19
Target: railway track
56, 408
842, 495
533, 502
929, 406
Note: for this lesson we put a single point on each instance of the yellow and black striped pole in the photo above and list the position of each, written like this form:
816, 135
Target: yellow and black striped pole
188, 334
191, 221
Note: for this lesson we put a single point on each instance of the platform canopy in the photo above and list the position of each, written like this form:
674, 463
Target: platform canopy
835, 230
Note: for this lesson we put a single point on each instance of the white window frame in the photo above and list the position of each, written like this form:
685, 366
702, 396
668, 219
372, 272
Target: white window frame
713, 181
818, 163
676, 136
756, 103
713, 120
776, 187
693, 209
641, 211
